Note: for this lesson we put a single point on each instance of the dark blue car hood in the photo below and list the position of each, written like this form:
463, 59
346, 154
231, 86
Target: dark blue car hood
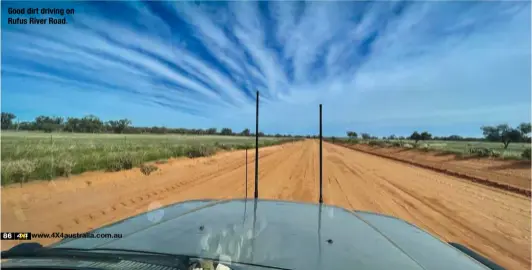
281, 234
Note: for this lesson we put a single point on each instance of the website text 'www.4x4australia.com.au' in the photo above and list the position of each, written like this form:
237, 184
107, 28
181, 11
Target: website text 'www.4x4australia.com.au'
30, 236
76, 235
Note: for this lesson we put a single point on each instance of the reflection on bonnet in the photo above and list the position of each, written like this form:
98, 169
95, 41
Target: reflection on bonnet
233, 243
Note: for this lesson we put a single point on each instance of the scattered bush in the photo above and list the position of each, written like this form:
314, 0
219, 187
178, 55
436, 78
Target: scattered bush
226, 147
223, 146
377, 143
195, 151
512, 157
120, 162
64, 166
448, 152
177, 151
422, 147
148, 169
527, 154
244, 146
483, 152
494, 153
17, 171
267, 143
397, 144
407, 145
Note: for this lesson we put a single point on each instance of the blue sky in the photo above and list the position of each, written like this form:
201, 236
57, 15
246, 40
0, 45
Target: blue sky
378, 67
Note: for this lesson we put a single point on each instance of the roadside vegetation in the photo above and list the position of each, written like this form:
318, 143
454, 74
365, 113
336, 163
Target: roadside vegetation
501, 141
33, 155
51, 147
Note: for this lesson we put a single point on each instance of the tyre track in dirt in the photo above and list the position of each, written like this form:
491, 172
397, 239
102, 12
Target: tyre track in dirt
451, 208
476, 179
114, 196
495, 223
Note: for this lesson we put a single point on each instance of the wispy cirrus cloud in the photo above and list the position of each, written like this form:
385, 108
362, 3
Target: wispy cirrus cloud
374, 65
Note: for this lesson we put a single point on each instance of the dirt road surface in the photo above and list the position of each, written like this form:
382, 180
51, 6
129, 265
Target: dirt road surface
494, 222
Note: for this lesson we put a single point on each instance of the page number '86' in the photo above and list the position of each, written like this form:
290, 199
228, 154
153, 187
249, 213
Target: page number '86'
7, 236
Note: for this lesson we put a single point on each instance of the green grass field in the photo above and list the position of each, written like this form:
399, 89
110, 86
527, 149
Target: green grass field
514, 149
462, 148
34, 155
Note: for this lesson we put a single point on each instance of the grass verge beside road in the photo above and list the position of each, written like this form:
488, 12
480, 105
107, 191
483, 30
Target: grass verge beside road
463, 149
32, 155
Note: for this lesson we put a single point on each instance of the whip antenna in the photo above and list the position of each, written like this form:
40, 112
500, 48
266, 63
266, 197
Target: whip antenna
321, 160
246, 173
257, 148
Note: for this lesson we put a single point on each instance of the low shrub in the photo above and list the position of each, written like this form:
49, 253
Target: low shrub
353, 141
376, 143
195, 151
397, 144
267, 143
177, 151
64, 166
483, 152
408, 145
448, 152
244, 146
527, 154
120, 162
422, 147
148, 169
223, 146
17, 171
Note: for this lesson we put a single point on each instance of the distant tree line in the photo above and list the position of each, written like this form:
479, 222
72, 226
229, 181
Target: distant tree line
500, 133
93, 124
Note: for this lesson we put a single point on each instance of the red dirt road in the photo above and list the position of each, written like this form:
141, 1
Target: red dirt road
494, 222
